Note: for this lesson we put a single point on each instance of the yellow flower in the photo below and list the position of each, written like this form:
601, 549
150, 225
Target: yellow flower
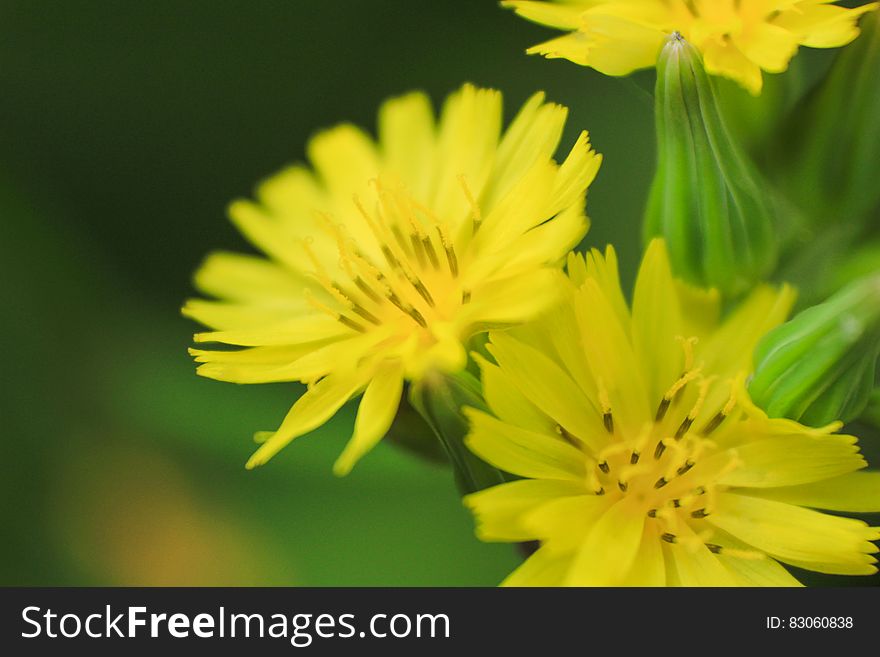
737, 38
392, 253
643, 460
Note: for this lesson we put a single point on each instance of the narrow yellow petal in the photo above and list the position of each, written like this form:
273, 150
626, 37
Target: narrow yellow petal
544, 383
792, 460
522, 452
793, 534
609, 551
856, 492
656, 321
314, 408
543, 568
375, 415
500, 510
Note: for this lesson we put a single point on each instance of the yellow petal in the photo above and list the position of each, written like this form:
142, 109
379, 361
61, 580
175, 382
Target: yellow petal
237, 277
533, 135
314, 408
508, 403
793, 534
730, 348
292, 331
824, 25
564, 523
612, 359
610, 549
562, 16
470, 126
500, 510
407, 138
656, 321
522, 452
548, 387
856, 492
375, 415
543, 568
649, 566
792, 460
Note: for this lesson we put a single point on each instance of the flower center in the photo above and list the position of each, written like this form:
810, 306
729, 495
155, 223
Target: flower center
407, 280
671, 468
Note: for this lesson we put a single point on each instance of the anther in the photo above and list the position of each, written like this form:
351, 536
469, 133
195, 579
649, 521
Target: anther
669, 538
684, 427
652, 513
601, 491
466, 296
569, 438
622, 485
366, 314
604, 467
714, 423
609, 421
429, 249
366, 289
658, 451
634, 458
699, 513
451, 260
345, 321
676, 504
661, 410
714, 549
687, 466
700, 490
422, 290
661, 482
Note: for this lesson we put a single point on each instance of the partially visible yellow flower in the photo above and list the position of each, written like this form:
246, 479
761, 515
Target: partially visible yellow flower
390, 254
737, 38
644, 462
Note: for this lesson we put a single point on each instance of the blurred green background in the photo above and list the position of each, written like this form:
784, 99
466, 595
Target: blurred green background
125, 129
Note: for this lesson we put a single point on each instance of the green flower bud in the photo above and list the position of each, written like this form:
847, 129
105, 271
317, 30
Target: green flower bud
707, 200
439, 399
827, 151
819, 366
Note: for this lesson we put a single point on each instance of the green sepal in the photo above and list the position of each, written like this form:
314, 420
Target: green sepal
707, 200
439, 399
819, 367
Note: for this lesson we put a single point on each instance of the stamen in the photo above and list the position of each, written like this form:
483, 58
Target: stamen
605, 403
714, 423
634, 458
687, 466
687, 345
451, 259
604, 467
661, 410
679, 385
466, 296
652, 513
366, 289
601, 491
658, 451
683, 428
475, 208
609, 422
661, 482
428, 245
367, 315
699, 513
421, 289
567, 435
345, 321
676, 504
622, 485
714, 549
669, 538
